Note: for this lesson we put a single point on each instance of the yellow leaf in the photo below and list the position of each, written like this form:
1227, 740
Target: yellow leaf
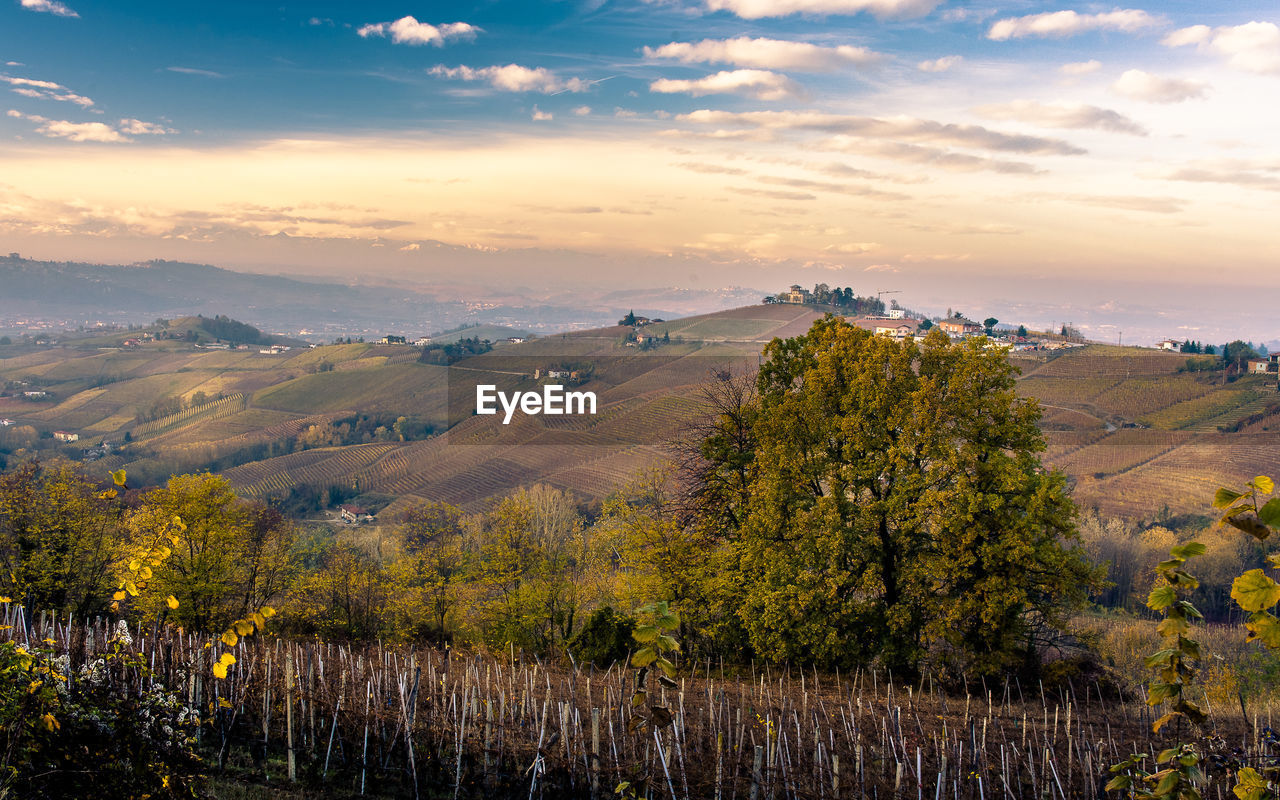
173, 602
229, 638
5, 599
267, 611
50, 723
119, 477
145, 573
219, 670
222, 702
243, 627
118, 596
131, 588
258, 619
134, 564
227, 659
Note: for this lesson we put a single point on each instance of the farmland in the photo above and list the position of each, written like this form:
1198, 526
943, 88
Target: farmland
1132, 429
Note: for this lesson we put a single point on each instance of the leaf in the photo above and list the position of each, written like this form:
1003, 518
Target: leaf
1166, 755
1263, 484
1264, 627
643, 658
661, 715
1250, 785
1248, 522
666, 666
1188, 550
1160, 723
119, 477
1161, 598
227, 658
1225, 497
1159, 658
219, 670
1172, 626
131, 588
663, 680
243, 627
1119, 782
118, 596
229, 638
1254, 591
258, 619
645, 634
1168, 780
172, 601
638, 699
134, 565
223, 702
267, 611
636, 724
1269, 514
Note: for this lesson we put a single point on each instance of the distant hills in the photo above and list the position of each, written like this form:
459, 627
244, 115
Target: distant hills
77, 292
1135, 432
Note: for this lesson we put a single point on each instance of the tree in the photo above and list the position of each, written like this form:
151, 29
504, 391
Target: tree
926, 324
1022, 331
989, 324
883, 500
629, 319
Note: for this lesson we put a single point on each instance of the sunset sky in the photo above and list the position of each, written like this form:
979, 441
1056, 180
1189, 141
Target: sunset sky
1084, 151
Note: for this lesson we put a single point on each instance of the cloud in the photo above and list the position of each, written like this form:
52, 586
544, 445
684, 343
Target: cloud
208, 73
540, 116
774, 194
1154, 205
710, 169
1251, 47
884, 9
45, 90
91, 131
581, 111
931, 156
1242, 174
408, 30
765, 54
1069, 23
49, 7
1063, 115
939, 64
1080, 67
137, 127
410, 247
75, 131
514, 78
835, 188
758, 83
1150, 88
910, 128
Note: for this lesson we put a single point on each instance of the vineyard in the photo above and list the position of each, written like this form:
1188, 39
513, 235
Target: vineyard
215, 409
388, 722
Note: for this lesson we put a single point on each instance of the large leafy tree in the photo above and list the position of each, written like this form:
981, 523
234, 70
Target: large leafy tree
882, 500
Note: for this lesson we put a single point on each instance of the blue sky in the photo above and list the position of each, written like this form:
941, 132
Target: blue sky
950, 144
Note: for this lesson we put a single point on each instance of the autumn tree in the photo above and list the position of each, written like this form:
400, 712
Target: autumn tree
59, 538
230, 558
883, 500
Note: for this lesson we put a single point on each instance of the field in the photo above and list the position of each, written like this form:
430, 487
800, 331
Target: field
341, 719
1133, 432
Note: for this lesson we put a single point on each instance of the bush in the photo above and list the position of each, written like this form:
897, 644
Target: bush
76, 735
605, 639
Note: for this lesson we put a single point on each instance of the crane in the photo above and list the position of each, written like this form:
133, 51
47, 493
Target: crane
887, 291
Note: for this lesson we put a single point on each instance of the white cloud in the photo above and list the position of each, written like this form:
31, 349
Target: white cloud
1069, 23
758, 83
936, 157
902, 127
514, 78
581, 111
410, 247
1150, 88
1063, 115
75, 131
408, 30
1251, 47
45, 90
884, 9
49, 7
137, 127
1080, 67
541, 116
940, 64
207, 73
765, 54
91, 131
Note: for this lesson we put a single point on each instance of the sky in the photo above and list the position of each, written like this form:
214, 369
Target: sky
1070, 160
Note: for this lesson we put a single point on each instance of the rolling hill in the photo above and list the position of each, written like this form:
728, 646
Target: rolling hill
1135, 432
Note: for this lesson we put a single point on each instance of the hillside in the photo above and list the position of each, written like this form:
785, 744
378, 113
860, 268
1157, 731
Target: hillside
1134, 432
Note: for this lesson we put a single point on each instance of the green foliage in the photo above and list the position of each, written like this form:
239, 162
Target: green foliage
1176, 781
884, 501
605, 638
78, 738
449, 352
